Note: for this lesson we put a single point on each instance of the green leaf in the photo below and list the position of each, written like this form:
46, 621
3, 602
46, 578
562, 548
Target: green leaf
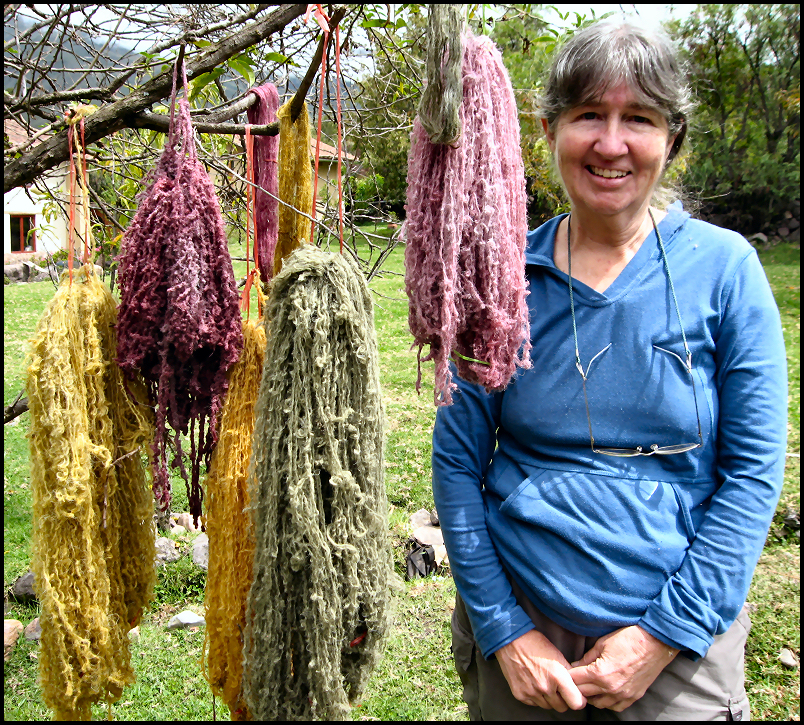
374, 23
202, 43
198, 84
242, 65
276, 57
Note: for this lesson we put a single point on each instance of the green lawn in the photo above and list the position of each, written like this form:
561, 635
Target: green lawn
416, 679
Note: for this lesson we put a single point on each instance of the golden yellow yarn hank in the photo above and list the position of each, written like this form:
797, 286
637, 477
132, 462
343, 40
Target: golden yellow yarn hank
295, 182
229, 527
93, 540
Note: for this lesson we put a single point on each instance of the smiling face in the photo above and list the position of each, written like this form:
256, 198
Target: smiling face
610, 153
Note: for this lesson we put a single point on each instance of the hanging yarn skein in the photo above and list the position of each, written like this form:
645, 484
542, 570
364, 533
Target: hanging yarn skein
93, 539
441, 98
179, 321
317, 610
229, 527
266, 151
466, 232
295, 182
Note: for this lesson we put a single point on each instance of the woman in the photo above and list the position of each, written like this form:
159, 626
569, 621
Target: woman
604, 514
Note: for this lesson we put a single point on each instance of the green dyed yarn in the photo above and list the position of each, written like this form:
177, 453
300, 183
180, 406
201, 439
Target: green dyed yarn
441, 98
322, 559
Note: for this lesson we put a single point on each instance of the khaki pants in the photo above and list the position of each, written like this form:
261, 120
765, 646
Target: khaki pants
710, 689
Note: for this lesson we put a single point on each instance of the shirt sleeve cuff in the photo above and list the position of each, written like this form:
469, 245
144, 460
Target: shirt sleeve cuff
489, 639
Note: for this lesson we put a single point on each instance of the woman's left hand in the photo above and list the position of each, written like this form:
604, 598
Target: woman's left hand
621, 666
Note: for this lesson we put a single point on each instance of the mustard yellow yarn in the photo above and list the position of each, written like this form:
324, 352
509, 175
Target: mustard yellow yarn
229, 527
93, 541
295, 182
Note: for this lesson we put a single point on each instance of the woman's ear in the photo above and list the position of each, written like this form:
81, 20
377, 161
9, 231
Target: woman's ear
675, 144
551, 140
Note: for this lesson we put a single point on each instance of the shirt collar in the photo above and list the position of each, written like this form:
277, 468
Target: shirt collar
539, 248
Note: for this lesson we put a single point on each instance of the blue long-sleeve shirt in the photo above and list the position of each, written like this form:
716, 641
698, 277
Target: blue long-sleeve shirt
598, 543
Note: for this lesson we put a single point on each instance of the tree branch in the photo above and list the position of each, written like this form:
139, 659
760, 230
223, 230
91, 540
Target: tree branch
159, 122
111, 118
298, 99
16, 409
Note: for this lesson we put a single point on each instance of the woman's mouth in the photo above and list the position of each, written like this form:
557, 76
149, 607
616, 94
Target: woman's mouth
607, 173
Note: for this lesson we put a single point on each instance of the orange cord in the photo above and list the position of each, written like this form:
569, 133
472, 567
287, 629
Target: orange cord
253, 275
318, 135
82, 158
322, 19
245, 299
71, 230
338, 95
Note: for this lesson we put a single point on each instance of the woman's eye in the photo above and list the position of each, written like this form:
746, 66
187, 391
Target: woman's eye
641, 119
589, 116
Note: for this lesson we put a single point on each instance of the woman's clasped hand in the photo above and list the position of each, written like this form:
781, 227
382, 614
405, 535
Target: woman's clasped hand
613, 674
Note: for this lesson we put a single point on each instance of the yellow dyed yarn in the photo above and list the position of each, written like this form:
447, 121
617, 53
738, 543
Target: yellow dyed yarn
295, 182
93, 539
229, 527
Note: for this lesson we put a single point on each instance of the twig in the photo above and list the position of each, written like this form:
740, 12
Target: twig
16, 409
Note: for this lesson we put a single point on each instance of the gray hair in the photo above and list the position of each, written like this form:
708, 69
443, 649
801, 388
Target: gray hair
606, 53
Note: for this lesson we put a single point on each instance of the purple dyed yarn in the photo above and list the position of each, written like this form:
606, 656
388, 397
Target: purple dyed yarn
465, 234
179, 319
266, 176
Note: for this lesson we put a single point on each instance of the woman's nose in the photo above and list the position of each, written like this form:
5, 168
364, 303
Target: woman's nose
611, 141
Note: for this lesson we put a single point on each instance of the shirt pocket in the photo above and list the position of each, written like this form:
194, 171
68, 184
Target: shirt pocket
612, 528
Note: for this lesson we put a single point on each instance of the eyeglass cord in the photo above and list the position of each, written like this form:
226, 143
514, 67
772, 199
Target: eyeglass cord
672, 292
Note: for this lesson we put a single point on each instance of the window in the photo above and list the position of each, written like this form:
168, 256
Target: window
23, 236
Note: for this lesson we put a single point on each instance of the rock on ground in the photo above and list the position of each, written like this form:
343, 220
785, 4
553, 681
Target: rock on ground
788, 659
166, 551
186, 619
201, 551
12, 629
420, 518
23, 588
33, 631
186, 520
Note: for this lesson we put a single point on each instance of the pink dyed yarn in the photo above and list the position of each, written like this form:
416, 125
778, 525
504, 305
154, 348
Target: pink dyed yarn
266, 176
465, 234
179, 319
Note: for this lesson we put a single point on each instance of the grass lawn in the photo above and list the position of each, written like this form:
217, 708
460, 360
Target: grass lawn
416, 679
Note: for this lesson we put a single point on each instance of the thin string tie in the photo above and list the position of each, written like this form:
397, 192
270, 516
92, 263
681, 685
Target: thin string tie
252, 275
340, 155
71, 230
323, 21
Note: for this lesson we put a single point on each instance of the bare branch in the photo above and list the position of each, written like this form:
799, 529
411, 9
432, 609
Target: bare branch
111, 118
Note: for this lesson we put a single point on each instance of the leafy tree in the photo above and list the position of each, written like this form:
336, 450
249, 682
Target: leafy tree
744, 64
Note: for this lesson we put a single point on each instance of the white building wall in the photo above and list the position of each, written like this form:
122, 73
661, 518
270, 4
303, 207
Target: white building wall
51, 236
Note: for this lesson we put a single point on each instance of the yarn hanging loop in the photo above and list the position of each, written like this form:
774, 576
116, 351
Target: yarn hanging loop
77, 147
265, 159
440, 102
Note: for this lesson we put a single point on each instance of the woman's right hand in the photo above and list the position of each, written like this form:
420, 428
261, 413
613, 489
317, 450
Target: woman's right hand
538, 674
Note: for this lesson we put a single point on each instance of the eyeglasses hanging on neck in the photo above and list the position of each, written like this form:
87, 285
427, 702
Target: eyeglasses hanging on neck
654, 448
